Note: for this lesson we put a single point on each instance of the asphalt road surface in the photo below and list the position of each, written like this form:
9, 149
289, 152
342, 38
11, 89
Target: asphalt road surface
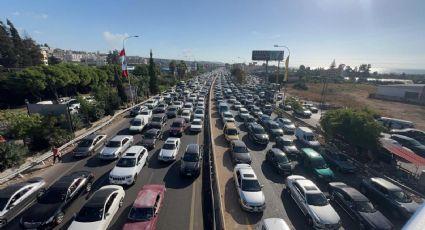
183, 201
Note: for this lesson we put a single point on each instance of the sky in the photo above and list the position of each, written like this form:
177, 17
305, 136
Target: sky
384, 33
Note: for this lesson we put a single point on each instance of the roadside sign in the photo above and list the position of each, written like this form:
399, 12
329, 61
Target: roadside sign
267, 55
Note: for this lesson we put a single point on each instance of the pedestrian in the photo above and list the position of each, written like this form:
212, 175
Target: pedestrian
56, 154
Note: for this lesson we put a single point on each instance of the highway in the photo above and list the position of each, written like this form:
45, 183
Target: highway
278, 203
183, 200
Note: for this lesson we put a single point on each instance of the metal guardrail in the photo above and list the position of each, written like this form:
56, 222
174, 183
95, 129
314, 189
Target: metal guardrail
47, 155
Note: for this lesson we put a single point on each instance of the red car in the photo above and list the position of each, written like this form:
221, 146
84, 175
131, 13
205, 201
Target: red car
145, 211
177, 127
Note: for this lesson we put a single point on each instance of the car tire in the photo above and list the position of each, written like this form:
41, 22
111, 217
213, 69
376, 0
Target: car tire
59, 218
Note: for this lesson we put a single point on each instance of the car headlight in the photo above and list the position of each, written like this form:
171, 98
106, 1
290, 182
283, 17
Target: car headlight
128, 177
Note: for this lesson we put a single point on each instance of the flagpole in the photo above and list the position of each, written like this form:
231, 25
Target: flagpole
286, 70
124, 61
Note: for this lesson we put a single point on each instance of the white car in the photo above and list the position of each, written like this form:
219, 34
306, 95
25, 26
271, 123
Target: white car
237, 105
227, 117
147, 113
243, 113
138, 124
200, 105
186, 114
196, 125
116, 146
169, 150
129, 166
251, 196
286, 125
274, 224
189, 106
151, 103
159, 99
100, 209
199, 114
313, 203
178, 104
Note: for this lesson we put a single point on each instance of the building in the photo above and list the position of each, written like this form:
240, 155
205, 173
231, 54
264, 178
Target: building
414, 93
44, 55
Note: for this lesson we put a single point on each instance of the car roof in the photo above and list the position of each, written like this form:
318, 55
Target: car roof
146, 197
401, 136
179, 120
305, 129
99, 198
386, 184
308, 186
256, 125
90, 136
120, 137
230, 125
172, 140
159, 115
238, 143
65, 181
311, 153
285, 138
350, 191
192, 148
277, 151
152, 131
133, 151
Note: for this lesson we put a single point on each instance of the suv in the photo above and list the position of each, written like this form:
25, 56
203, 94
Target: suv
177, 127
116, 146
191, 161
390, 196
251, 196
17, 197
129, 166
169, 150
240, 153
257, 134
89, 145
50, 207
279, 160
313, 203
315, 163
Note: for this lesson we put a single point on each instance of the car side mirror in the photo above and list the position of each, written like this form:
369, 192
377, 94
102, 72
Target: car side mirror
10, 206
107, 214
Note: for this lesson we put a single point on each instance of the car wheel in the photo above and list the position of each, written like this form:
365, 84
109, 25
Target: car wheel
59, 217
88, 186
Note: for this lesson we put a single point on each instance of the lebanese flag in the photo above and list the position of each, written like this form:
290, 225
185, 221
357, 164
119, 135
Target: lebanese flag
124, 71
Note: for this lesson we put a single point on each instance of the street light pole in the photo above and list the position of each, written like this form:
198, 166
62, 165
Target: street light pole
287, 57
129, 82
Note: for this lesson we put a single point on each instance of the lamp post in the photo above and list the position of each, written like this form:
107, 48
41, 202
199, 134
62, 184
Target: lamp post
129, 82
287, 60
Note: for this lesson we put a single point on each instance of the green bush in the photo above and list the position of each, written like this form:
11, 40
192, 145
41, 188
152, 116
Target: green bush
300, 86
11, 155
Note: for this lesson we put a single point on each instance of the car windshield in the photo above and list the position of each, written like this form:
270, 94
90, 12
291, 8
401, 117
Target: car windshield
126, 162
401, 196
251, 186
274, 126
316, 199
176, 125
244, 112
191, 157
364, 206
319, 163
172, 109
240, 149
309, 137
231, 132
85, 143
259, 130
3, 202
199, 112
227, 115
89, 214
52, 196
113, 144
282, 159
149, 135
169, 146
137, 123
145, 112
156, 119
287, 142
141, 214
196, 122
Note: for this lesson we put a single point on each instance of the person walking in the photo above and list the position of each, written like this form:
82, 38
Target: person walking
56, 154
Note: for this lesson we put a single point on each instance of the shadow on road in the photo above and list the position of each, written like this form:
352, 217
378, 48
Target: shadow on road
293, 212
271, 174
121, 219
124, 131
174, 180
227, 160
96, 162
220, 141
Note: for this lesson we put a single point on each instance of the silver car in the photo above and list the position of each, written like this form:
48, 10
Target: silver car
249, 190
89, 145
116, 147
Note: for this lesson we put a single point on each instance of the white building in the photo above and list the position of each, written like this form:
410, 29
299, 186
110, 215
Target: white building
44, 55
403, 92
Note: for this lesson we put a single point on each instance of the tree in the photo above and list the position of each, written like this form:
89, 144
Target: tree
172, 67
119, 85
11, 155
141, 70
8, 57
364, 70
239, 74
113, 58
19, 125
153, 84
301, 73
181, 70
52, 60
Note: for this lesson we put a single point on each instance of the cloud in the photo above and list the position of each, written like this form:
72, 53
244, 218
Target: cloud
38, 32
114, 40
16, 13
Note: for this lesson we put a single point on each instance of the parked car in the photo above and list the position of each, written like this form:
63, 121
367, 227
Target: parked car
240, 153
169, 150
144, 213
286, 124
274, 129
257, 134
306, 137
150, 137
313, 109
303, 112
312, 203
358, 207
129, 166
339, 161
100, 209
177, 127
89, 145
196, 125
389, 196
191, 161
287, 146
49, 210
249, 190
416, 134
172, 111
316, 164
410, 143
157, 121
17, 197
116, 146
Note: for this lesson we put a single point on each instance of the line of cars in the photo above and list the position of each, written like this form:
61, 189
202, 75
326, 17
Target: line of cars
44, 207
309, 198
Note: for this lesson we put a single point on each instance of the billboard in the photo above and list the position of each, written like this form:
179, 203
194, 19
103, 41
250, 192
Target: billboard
267, 55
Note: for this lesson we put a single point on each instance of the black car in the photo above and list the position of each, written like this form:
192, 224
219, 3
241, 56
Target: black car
248, 120
268, 109
191, 161
263, 119
273, 128
136, 110
358, 207
172, 111
410, 143
279, 160
339, 161
157, 121
16, 197
50, 207
240, 153
416, 134
389, 196
150, 137
161, 108
287, 146
257, 134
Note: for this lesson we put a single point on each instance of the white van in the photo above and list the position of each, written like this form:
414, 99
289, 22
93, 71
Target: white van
138, 124
392, 123
306, 136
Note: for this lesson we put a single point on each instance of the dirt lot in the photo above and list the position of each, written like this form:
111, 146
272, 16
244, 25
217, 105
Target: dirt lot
356, 96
